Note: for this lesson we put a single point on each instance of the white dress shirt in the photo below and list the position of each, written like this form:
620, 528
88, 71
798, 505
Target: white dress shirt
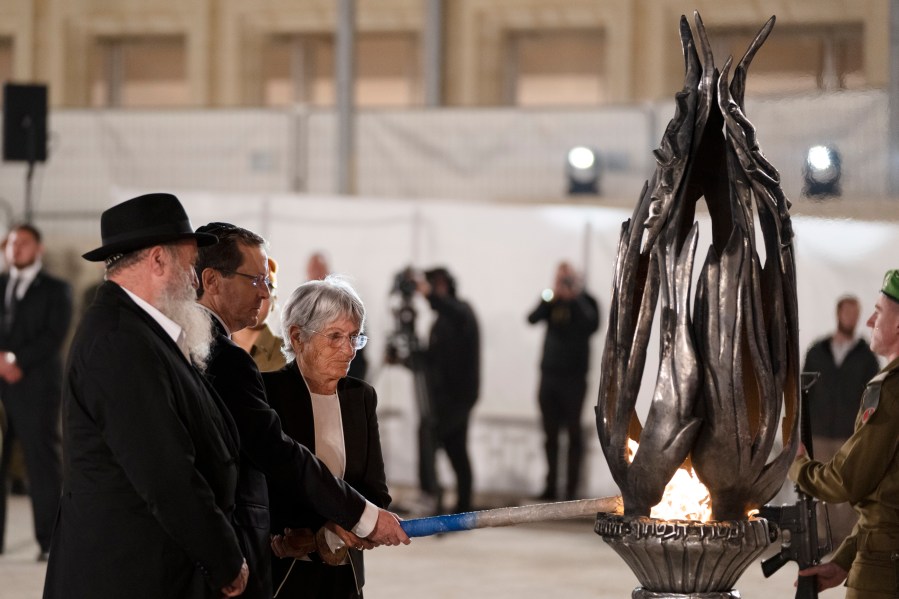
20, 279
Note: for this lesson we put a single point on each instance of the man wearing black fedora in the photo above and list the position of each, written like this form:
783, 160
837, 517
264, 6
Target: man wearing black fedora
150, 454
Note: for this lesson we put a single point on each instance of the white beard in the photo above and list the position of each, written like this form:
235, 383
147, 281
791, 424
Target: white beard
179, 302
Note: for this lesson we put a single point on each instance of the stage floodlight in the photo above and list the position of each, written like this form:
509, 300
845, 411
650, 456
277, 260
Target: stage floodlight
822, 172
582, 168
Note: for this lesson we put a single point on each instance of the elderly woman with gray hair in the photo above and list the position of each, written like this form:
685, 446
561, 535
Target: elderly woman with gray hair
334, 416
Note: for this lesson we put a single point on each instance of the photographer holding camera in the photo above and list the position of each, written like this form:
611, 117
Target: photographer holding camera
572, 316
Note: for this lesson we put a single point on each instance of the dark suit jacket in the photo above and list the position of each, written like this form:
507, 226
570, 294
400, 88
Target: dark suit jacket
150, 466
836, 395
38, 330
36, 336
289, 397
266, 452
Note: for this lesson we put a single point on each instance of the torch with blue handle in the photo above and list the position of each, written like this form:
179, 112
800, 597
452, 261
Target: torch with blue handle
507, 516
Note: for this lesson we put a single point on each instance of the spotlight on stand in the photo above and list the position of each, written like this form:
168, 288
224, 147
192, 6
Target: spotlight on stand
822, 172
582, 168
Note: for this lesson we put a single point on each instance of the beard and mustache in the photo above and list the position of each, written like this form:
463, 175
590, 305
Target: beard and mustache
179, 302
846, 330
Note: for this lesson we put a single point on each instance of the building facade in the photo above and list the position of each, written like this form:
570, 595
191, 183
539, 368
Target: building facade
232, 53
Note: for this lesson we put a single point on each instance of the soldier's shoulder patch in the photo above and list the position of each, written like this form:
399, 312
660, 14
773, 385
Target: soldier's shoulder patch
871, 398
867, 414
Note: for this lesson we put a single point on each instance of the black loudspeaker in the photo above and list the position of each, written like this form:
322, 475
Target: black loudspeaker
25, 122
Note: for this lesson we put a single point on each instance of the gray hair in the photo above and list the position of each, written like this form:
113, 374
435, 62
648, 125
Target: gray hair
119, 262
315, 304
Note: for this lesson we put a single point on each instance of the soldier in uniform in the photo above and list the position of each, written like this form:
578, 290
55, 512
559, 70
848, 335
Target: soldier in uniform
865, 471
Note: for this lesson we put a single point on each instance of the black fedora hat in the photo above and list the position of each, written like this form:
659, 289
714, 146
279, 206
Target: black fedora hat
142, 222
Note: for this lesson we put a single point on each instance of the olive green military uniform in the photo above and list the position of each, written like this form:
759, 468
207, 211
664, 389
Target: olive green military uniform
266, 351
865, 473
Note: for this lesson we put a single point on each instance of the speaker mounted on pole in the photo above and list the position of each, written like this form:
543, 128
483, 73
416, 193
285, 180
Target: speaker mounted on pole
24, 122
25, 130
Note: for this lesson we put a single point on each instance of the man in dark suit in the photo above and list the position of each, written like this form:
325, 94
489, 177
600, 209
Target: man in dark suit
150, 455
35, 311
234, 280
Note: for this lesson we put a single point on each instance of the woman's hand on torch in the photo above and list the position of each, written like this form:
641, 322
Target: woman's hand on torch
388, 530
349, 539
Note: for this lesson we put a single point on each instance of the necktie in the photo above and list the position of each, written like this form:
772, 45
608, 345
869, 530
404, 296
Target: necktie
12, 288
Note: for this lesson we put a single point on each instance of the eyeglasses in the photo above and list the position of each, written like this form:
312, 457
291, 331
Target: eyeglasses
338, 339
256, 280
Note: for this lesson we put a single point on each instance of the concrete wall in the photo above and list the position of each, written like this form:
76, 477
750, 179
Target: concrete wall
485, 154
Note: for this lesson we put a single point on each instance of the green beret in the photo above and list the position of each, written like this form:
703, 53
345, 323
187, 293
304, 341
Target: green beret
890, 286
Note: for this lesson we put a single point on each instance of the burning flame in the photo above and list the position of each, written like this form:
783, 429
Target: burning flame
685, 498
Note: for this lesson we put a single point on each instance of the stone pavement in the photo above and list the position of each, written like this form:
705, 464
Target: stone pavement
561, 560
21, 575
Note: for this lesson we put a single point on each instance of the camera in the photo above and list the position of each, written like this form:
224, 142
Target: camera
404, 283
402, 343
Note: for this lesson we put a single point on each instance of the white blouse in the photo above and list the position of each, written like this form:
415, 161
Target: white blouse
329, 443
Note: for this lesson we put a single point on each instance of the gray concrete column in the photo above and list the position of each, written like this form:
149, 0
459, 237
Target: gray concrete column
433, 53
344, 77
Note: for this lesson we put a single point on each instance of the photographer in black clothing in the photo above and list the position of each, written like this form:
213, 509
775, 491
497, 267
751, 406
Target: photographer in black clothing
571, 316
452, 374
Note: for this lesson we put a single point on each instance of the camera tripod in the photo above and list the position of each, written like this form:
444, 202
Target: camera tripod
404, 348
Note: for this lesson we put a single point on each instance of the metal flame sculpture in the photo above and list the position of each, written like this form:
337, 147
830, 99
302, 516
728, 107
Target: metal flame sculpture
728, 370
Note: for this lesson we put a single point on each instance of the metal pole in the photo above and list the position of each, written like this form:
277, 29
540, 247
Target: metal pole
344, 78
433, 53
31, 151
587, 252
893, 164
300, 74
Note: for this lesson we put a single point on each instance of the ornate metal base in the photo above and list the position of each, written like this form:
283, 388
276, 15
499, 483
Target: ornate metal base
684, 559
641, 593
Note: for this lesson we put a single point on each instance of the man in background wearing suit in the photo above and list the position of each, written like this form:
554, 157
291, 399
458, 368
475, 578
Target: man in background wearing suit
234, 281
35, 311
